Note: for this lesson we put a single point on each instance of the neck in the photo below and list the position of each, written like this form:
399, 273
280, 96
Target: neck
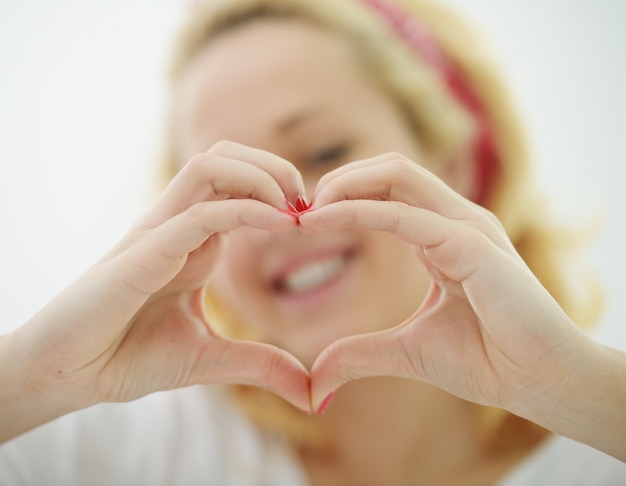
393, 431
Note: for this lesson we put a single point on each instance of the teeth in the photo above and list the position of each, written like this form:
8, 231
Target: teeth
314, 275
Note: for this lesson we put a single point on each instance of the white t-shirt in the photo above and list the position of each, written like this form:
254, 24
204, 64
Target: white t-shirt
194, 437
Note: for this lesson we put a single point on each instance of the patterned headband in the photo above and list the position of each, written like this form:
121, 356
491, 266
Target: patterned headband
421, 41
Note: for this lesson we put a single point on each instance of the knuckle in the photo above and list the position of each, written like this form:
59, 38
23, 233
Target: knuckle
488, 224
400, 166
285, 171
490, 216
395, 157
272, 368
474, 236
196, 161
336, 358
197, 213
222, 147
333, 356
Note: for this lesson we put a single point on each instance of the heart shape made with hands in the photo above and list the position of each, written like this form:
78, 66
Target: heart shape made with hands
456, 338
324, 377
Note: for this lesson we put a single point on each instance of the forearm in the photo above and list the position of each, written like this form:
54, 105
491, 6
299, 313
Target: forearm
588, 404
24, 402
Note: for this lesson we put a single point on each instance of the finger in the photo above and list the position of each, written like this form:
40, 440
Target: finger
395, 178
415, 225
199, 266
355, 357
206, 178
261, 365
282, 171
120, 284
228, 170
357, 164
421, 227
151, 262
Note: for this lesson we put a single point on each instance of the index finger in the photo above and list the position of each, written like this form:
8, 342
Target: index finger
282, 171
228, 170
393, 177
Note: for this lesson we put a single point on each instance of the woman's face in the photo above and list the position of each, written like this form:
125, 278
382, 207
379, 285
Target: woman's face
294, 90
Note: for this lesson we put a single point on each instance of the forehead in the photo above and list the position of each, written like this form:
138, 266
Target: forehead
264, 76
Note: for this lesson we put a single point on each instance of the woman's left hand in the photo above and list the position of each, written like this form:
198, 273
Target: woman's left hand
487, 330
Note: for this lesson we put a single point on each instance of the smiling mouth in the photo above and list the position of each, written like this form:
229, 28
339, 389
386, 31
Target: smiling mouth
313, 275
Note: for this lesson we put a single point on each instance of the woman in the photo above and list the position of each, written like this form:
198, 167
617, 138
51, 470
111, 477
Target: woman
396, 274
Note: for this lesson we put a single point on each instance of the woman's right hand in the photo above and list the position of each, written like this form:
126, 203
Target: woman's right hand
134, 323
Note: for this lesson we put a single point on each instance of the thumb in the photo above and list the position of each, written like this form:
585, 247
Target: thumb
262, 365
374, 354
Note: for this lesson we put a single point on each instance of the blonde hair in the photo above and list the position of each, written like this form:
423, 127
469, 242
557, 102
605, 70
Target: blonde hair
442, 127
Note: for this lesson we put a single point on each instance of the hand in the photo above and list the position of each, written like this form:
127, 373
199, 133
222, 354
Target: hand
486, 331
134, 323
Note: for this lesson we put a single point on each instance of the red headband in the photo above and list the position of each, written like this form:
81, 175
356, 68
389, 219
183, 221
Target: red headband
419, 38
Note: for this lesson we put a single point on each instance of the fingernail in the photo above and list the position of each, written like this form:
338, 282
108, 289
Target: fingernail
324, 405
301, 204
290, 206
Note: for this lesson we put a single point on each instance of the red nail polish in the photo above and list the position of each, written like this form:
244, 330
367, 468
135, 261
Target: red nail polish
291, 208
325, 403
302, 205
296, 210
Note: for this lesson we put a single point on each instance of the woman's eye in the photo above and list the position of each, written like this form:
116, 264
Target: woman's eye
333, 153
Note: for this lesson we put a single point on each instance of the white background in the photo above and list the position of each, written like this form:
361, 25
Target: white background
82, 100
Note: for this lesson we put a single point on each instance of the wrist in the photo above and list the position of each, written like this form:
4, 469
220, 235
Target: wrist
27, 401
583, 397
